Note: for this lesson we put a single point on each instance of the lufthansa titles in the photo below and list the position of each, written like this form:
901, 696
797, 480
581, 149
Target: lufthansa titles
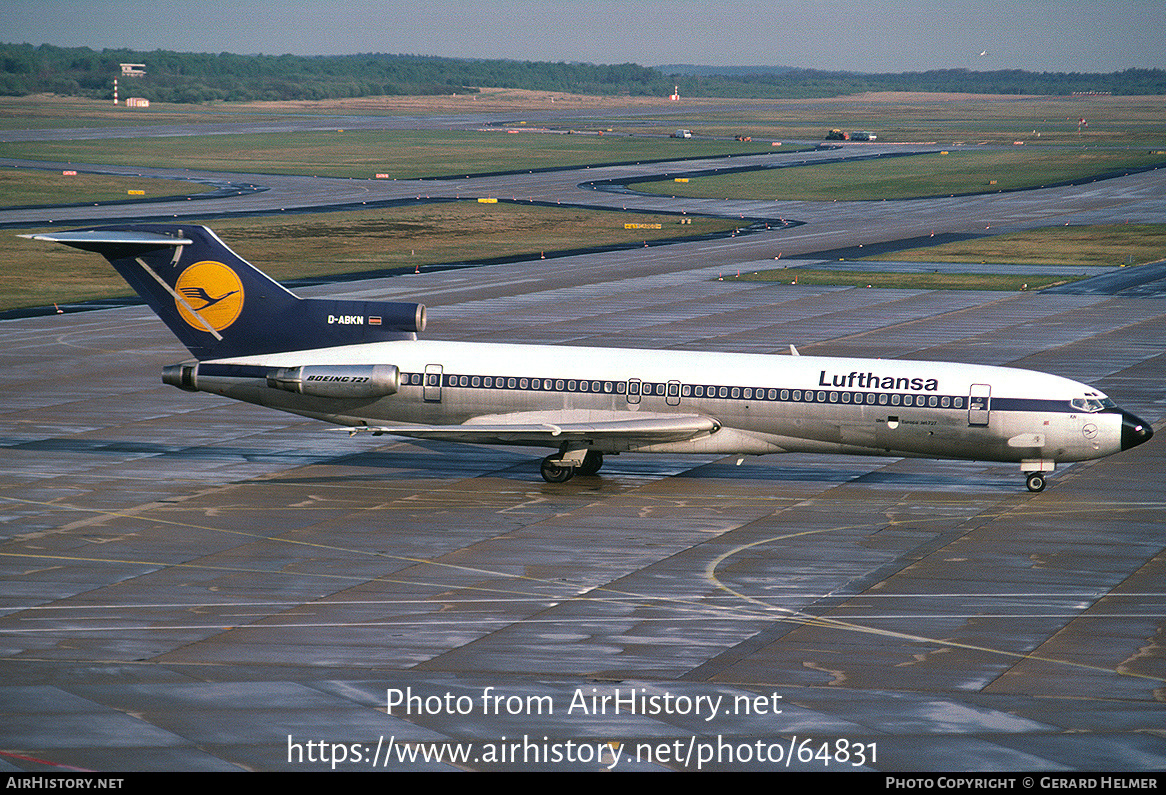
875, 381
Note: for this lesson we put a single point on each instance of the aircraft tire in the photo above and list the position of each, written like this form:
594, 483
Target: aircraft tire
1036, 481
553, 473
591, 464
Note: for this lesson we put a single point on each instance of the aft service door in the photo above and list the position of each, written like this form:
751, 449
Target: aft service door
432, 388
979, 404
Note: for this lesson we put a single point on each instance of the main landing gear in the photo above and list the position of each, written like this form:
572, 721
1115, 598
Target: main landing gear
559, 469
591, 463
556, 473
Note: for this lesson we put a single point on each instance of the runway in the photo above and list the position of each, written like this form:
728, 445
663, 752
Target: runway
192, 584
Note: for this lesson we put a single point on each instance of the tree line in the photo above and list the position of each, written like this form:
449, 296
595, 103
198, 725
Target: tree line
203, 77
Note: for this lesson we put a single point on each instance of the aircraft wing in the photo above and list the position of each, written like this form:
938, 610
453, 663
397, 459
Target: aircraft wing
553, 428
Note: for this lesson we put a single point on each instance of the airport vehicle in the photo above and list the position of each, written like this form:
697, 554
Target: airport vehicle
360, 364
682, 134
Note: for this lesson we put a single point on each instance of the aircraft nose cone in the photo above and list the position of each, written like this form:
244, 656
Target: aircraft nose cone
1134, 431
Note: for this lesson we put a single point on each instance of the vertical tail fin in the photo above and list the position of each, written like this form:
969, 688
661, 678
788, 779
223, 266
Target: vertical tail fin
220, 306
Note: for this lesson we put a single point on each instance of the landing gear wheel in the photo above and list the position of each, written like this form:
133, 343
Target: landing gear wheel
591, 463
1036, 481
554, 473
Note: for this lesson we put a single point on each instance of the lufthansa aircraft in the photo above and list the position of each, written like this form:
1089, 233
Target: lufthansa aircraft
360, 364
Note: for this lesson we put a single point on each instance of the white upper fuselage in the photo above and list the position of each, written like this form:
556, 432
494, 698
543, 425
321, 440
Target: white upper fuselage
763, 403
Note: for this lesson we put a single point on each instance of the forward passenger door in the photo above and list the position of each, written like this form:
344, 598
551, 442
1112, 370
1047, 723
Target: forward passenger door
979, 404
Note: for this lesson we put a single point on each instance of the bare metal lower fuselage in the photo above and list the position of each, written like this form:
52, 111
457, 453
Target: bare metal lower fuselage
760, 404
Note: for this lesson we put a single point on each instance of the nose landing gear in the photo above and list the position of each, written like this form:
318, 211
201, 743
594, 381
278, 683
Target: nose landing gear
1036, 481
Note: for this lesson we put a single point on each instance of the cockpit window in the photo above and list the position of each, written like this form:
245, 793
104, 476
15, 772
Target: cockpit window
1091, 405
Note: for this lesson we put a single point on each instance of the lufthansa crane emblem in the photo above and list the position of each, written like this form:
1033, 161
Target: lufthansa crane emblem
209, 294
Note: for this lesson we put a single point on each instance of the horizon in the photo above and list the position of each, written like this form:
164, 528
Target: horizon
984, 36
705, 69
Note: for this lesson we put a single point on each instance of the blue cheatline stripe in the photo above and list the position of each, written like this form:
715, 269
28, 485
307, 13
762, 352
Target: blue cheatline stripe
886, 400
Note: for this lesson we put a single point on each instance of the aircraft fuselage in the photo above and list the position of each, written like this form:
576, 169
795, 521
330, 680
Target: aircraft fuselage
762, 403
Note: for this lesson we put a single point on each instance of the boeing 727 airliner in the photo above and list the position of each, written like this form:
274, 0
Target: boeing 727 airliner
359, 364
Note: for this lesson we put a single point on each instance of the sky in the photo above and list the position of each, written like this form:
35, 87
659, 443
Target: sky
852, 35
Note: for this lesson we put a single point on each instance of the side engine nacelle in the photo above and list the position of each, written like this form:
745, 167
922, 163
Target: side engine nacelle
353, 381
337, 380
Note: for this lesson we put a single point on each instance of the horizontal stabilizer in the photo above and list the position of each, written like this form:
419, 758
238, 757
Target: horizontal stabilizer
101, 240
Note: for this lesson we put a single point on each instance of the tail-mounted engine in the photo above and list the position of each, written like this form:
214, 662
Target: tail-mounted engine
337, 380
360, 381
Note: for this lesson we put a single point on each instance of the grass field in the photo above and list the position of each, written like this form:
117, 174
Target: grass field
1074, 247
946, 119
24, 187
405, 154
1119, 133
908, 281
294, 246
53, 112
957, 172
895, 117
1109, 245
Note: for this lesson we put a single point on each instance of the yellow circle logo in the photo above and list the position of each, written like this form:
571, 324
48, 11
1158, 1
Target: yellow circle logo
210, 294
